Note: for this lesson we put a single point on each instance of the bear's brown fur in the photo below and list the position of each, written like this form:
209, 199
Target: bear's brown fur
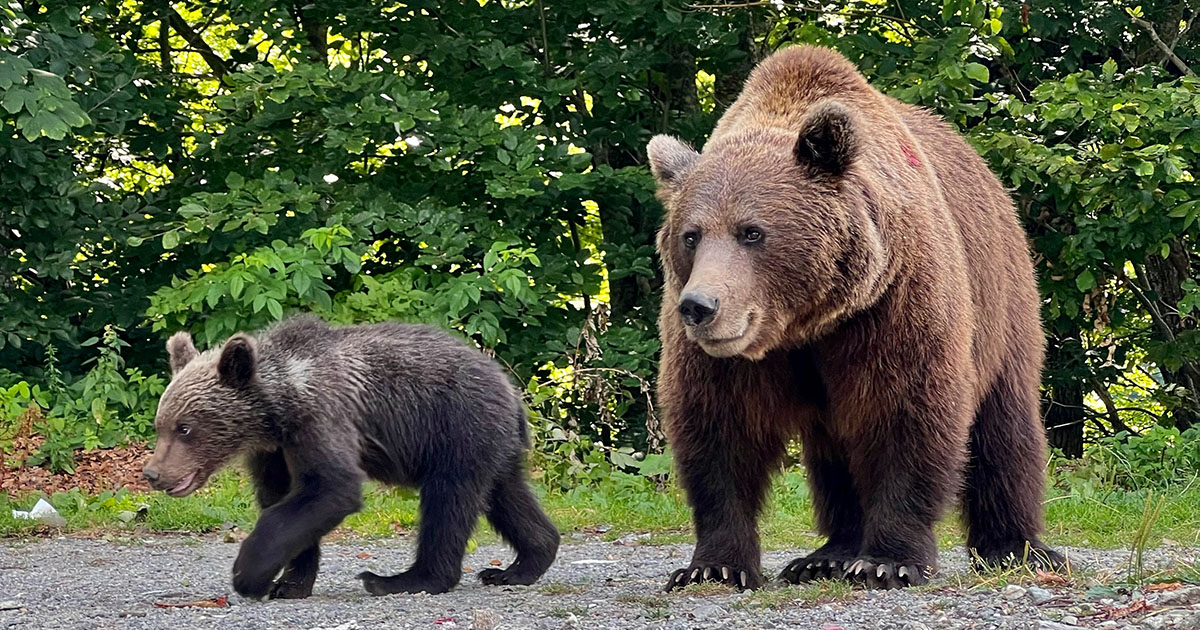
844, 268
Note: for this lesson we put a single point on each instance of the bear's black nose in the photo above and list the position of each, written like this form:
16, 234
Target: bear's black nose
150, 475
697, 308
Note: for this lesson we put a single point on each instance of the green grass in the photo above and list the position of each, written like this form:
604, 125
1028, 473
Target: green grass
625, 505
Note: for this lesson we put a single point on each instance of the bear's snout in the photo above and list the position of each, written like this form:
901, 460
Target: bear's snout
697, 308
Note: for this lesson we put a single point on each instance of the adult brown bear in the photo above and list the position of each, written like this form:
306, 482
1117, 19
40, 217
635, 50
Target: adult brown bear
844, 268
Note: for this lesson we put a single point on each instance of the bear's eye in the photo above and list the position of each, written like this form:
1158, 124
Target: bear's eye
690, 239
183, 429
752, 235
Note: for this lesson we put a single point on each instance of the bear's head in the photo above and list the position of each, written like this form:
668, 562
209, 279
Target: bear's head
770, 235
212, 409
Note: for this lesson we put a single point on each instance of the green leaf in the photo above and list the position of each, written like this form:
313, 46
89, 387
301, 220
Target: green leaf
134, 241
1183, 209
43, 124
170, 240
302, 282
1144, 168
17, 99
275, 308
977, 71
234, 181
236, 284
1109, 69
1085, 281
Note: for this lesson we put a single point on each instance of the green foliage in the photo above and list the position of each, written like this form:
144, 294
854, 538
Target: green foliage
109, 405
1156, 458
479, 166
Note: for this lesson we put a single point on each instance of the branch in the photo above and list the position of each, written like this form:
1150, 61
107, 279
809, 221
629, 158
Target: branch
214, 61
1167, 50
1114, 418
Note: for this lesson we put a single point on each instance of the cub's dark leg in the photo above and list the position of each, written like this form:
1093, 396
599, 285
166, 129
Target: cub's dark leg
726, 472
516, 515
450, 506
271, 483
324, 491
838, 510
1005, 477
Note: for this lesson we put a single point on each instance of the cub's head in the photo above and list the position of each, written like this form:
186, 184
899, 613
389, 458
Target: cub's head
770, 235
209, 411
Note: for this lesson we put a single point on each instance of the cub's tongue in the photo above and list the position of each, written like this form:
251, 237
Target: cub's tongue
184, 483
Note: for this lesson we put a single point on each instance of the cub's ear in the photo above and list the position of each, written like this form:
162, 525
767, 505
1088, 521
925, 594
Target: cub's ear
828, 139
180, 350
238, 365
670, 160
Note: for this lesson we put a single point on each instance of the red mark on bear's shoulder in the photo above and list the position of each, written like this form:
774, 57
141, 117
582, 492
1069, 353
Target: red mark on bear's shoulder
913, 160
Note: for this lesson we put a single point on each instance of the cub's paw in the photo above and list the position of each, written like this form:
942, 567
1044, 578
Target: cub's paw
290, 590
506, 577
741, 579
406, 582
1034, 554
816, 566
252, 584
885, 573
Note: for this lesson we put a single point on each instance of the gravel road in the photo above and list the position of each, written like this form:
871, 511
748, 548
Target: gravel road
87, 583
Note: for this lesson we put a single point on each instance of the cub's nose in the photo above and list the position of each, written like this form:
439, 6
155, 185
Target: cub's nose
697, 308
149, 474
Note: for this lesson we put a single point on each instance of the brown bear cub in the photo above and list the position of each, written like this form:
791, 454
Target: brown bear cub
318, 410
844, 268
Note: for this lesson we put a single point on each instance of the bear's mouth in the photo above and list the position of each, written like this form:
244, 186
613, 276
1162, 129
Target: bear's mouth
729, 345
185, 485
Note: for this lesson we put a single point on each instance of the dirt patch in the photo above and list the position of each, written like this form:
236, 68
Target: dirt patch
95, 471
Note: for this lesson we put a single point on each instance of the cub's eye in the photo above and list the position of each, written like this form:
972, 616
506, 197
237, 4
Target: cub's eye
183, 429
690, 239
752, 235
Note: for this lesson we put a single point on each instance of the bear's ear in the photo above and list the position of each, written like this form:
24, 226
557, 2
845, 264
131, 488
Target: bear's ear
828, 140
238, 364
670, 160
180, 351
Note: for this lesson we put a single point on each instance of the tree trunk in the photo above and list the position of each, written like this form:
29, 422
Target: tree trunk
1165, 277
1064, 417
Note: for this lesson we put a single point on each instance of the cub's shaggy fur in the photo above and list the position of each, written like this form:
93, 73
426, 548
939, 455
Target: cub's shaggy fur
318, 410
845, 268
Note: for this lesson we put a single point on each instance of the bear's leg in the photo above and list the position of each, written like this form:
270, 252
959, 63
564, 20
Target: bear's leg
726, 473
325, 491
450, 507
906, 468
1005, 478
516, 515
838, 510
271, 483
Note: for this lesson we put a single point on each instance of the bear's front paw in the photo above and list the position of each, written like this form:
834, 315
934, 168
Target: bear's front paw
741, 579
816, 566
252, 584
885, 573
253, 575
291, 590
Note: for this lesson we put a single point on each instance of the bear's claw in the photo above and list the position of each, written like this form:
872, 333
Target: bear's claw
883, 573
814, 567
506, 577
721, 574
